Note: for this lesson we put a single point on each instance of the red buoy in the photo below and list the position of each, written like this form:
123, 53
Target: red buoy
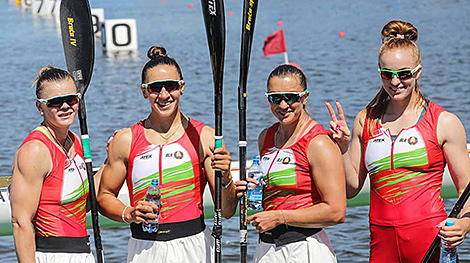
341, 34
230, 13
191, 5
279, 22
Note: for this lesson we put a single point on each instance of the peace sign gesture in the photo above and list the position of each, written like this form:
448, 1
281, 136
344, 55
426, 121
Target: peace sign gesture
339, 130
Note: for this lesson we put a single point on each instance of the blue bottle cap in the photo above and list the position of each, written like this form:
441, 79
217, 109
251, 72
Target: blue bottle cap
154, 182
256, 159
450, 222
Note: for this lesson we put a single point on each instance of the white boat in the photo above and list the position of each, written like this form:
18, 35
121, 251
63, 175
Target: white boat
448, 191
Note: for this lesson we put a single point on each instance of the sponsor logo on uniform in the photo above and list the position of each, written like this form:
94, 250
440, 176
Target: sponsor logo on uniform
403, 140
83, 166
71, 170
178, 155
145, 157
379, 140
412, 140
286, 160
265, 158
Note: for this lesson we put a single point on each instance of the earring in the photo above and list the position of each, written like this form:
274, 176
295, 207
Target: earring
42, 113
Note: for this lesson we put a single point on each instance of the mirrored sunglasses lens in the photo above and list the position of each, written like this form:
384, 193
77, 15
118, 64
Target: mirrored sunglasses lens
291, 98
275, 98
171, 86
403, 75
71, 100
155, 87
386, 75
168, 85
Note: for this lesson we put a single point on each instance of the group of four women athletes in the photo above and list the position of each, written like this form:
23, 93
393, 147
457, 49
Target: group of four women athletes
400, 139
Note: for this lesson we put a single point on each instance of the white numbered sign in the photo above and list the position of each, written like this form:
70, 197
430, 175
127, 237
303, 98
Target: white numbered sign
44, 7
26, 4
119, 35
97, 15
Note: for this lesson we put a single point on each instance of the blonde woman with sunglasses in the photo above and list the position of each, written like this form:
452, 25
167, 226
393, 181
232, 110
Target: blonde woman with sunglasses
179, 152
303, 178
403, 141
49, 187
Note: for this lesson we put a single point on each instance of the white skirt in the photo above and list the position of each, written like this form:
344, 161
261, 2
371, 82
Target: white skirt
52, 257
198, 248
316, 249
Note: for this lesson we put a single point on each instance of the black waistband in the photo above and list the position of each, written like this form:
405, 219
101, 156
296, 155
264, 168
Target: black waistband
63, 244
170, 231
283, 235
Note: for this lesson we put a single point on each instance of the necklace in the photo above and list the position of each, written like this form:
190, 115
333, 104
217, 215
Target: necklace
170, 132
57, 141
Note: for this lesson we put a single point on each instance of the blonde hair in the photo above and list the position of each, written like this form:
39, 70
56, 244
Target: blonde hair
396, 34
49, 73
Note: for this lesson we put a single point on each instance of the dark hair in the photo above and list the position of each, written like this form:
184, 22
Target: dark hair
158, 56
49, 74
285, 70
396, 34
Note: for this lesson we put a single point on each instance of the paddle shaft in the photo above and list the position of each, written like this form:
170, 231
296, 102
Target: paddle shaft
248, 26
454, 213
91, 181
79, 49
214, 20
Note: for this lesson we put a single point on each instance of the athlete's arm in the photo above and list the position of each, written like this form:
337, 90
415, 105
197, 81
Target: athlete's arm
351, 148
31, 165
354, 168
451, 136
112, 179
328, 175
218, 159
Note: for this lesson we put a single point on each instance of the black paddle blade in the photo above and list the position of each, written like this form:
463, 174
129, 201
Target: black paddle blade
78, 40
214, 20
250, 8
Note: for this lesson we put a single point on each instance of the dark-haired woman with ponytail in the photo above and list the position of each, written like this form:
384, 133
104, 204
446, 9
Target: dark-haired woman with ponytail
179, 152
49, 186
403, 141
303, 177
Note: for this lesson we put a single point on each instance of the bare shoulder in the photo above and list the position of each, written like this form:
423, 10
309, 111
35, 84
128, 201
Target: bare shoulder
360, 119
33, 158
120, 145
449, 127
322, 144
446, 119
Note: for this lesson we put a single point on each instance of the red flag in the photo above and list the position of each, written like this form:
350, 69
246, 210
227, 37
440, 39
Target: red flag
275, 44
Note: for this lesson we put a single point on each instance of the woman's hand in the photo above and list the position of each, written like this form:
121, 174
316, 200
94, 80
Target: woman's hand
266, 220
454, 235
339, 130
221, 160
143, 212
240, 186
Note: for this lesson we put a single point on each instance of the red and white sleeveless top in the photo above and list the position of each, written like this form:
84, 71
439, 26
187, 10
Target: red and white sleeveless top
287, 174
177, 166
405, 173
62, 205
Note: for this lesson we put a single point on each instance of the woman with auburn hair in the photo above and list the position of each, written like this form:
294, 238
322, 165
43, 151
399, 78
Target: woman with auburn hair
303, 178
177, 151
403, 141
49, 188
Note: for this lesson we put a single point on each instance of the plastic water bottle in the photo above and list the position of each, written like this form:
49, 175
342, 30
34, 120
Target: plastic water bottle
255, 191
448, 253
154, 196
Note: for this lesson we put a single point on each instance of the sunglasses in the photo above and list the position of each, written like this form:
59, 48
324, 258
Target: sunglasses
170, 85
289, 97
402, 74
58, 101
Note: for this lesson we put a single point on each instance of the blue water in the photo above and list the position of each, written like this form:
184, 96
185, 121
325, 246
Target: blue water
337, 68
